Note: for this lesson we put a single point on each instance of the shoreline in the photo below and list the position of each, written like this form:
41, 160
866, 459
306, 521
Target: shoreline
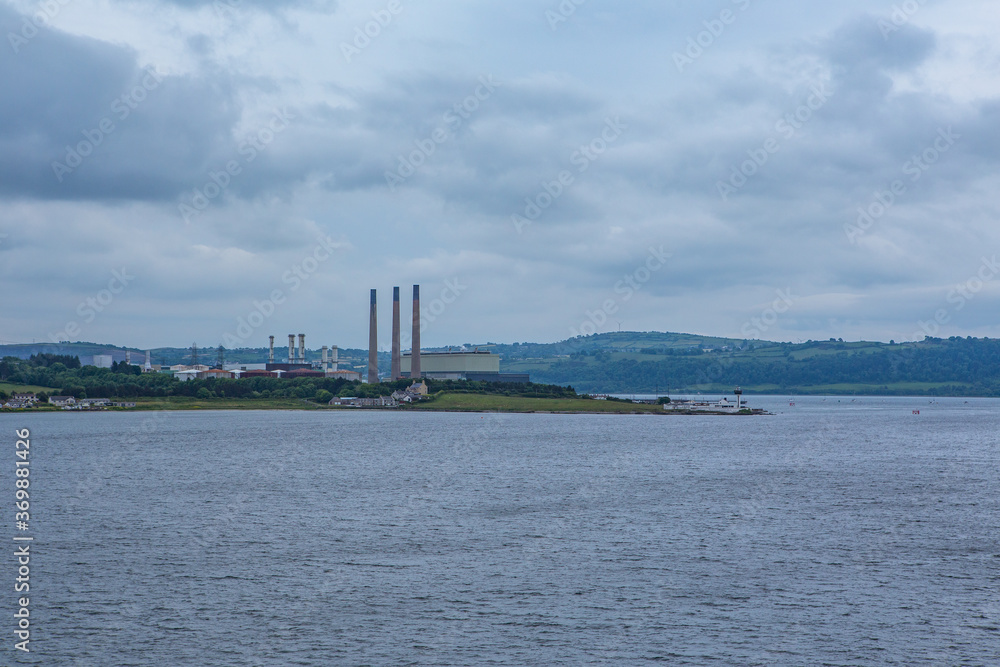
235, 406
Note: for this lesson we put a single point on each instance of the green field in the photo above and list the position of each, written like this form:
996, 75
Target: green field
18, 388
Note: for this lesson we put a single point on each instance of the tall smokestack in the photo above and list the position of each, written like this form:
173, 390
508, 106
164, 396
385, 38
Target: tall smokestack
302, 348
395, 334
270, 355
335, 358
149, 364
373, 343
415, 352
323, 363
291, 348
128, 357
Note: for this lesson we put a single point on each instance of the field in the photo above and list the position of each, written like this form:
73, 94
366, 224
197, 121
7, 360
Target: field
12, 388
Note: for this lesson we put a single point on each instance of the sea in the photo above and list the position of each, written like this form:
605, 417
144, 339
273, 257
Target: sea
835, 531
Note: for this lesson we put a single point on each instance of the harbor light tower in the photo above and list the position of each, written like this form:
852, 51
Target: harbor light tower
739, 396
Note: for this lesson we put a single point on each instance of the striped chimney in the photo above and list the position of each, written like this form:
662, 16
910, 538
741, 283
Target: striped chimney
373, 342
395, 335
415, 351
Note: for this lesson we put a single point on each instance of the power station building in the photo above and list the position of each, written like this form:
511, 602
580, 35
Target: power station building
477, 366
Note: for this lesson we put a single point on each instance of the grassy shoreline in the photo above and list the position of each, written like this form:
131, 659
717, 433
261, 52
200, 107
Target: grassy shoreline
448, 402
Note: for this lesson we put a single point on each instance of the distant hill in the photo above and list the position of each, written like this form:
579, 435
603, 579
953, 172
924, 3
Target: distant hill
654, 362
169, 356
81, 350
956, 366
625, 342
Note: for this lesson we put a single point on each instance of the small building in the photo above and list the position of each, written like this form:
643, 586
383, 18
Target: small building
287, 368
253, 373
346, 401
101, 361
214, 373
62, 401
304, 373
24, 397
350, 376
380, 402
243, 368
91, 403
723, 405
403, 396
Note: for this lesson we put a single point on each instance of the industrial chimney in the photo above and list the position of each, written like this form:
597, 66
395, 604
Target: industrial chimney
373, 343
128, 357
415, 351
149, 364
323, 359
291, 348
302, 348
395, 372
335, 358
270, 355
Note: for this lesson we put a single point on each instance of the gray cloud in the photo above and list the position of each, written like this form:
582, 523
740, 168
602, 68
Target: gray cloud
885, 101
143, 134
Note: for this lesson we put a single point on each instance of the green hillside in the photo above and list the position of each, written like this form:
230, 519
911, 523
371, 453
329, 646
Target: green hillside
956, 366
652, 362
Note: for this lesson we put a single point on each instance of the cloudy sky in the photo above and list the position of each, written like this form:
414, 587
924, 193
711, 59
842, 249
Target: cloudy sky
785, 170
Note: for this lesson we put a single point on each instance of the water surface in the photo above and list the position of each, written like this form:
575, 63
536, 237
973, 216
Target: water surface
836, 532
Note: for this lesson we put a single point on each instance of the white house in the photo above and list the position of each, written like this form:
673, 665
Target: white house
62, 401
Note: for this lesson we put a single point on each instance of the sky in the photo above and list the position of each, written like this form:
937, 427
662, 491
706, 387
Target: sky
220, 171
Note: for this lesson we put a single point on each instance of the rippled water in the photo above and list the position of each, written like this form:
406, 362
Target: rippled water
835, 532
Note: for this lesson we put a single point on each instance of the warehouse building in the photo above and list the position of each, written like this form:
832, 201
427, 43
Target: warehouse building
477, 366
